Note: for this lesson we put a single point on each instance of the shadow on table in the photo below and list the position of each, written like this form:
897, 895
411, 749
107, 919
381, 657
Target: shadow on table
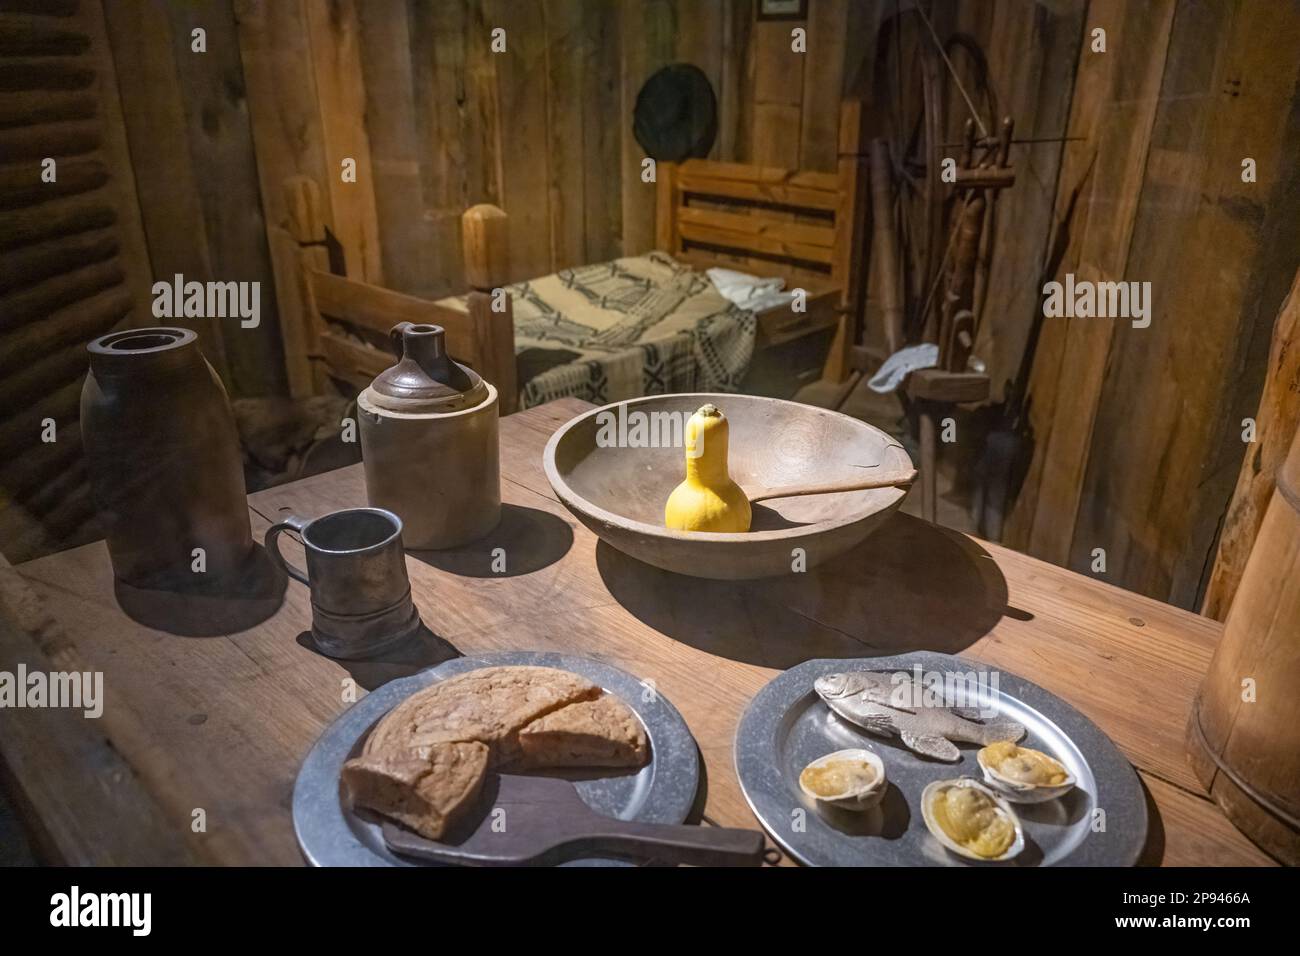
910, 586
529, 539
1153, 851
420, 651
225, 607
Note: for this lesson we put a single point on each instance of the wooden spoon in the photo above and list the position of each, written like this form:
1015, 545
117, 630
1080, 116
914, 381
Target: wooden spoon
762, 493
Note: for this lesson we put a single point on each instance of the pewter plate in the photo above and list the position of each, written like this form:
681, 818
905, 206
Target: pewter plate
331, 833
787, 725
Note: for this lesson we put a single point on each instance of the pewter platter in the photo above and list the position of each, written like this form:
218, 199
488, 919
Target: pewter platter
787, 725
330, 833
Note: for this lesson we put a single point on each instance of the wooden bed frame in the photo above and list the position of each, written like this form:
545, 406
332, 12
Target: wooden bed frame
344, 324
806, 227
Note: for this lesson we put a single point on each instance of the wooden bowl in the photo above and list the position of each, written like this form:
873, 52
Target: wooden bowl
618, 488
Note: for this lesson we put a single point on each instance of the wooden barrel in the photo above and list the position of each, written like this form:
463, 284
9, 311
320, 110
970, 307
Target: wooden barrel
1244, 733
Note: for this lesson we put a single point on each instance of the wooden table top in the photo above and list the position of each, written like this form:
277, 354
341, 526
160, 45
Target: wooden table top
200, 740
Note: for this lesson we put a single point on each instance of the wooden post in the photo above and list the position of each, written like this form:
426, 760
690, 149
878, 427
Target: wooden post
340, 93
885, 245
936, 392
486, 245
848, 259
666, 208
929, 463
1244, 733
299, 320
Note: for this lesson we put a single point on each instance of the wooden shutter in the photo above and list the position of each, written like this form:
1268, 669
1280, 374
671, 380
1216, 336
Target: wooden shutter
72, 259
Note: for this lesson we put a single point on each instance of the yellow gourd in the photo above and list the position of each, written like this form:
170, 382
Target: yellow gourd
708, 500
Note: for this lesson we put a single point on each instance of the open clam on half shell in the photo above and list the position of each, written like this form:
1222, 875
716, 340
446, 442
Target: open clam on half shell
971, 820
848, 779
1022, 774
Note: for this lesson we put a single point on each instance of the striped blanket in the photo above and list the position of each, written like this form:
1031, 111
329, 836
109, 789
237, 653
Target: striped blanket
641, 325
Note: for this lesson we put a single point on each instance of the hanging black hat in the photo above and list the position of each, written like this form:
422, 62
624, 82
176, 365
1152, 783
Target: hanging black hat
676, 114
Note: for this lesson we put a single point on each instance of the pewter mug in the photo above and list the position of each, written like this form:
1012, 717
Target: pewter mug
356, 570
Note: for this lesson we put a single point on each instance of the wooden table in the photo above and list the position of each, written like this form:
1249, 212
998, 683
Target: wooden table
214, 729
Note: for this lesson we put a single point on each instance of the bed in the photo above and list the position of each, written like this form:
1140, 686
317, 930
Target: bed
636, 325
648, 324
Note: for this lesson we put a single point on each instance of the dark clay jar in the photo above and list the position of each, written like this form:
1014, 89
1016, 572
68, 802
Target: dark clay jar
164, 461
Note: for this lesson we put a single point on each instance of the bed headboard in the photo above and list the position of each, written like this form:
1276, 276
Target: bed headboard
802, 224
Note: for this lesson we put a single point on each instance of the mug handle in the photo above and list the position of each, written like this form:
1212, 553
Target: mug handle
289, 523
395, 337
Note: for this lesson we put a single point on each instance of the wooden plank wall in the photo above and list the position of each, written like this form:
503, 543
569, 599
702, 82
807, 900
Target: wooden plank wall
544, 128
1032, 49
437, 121
73, 263
191, 151
1137, 432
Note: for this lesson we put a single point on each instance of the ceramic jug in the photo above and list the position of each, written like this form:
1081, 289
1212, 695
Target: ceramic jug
429, 443
167, 478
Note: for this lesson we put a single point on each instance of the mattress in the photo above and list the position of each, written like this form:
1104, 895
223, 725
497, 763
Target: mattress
639, 325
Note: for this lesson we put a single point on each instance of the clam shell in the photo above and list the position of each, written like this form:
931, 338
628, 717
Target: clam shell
1017, 791
932, 790
863, 799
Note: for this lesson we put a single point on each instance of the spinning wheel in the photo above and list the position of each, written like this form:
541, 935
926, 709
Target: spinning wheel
926, 92
936, 169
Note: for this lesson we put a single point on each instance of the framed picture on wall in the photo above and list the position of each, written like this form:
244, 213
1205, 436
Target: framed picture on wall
782, 9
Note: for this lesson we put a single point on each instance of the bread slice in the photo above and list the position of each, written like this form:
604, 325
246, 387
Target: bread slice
427, 795
594, 733
423, 765
489, 705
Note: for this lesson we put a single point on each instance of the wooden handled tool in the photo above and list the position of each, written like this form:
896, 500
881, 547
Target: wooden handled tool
543, 821
860, 484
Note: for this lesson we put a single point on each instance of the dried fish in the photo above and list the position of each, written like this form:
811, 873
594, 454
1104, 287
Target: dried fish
871, 701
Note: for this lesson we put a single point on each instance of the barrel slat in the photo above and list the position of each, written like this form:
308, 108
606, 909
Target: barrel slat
1244, 734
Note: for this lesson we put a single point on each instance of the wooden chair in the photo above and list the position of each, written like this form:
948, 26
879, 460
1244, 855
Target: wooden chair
343, 324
